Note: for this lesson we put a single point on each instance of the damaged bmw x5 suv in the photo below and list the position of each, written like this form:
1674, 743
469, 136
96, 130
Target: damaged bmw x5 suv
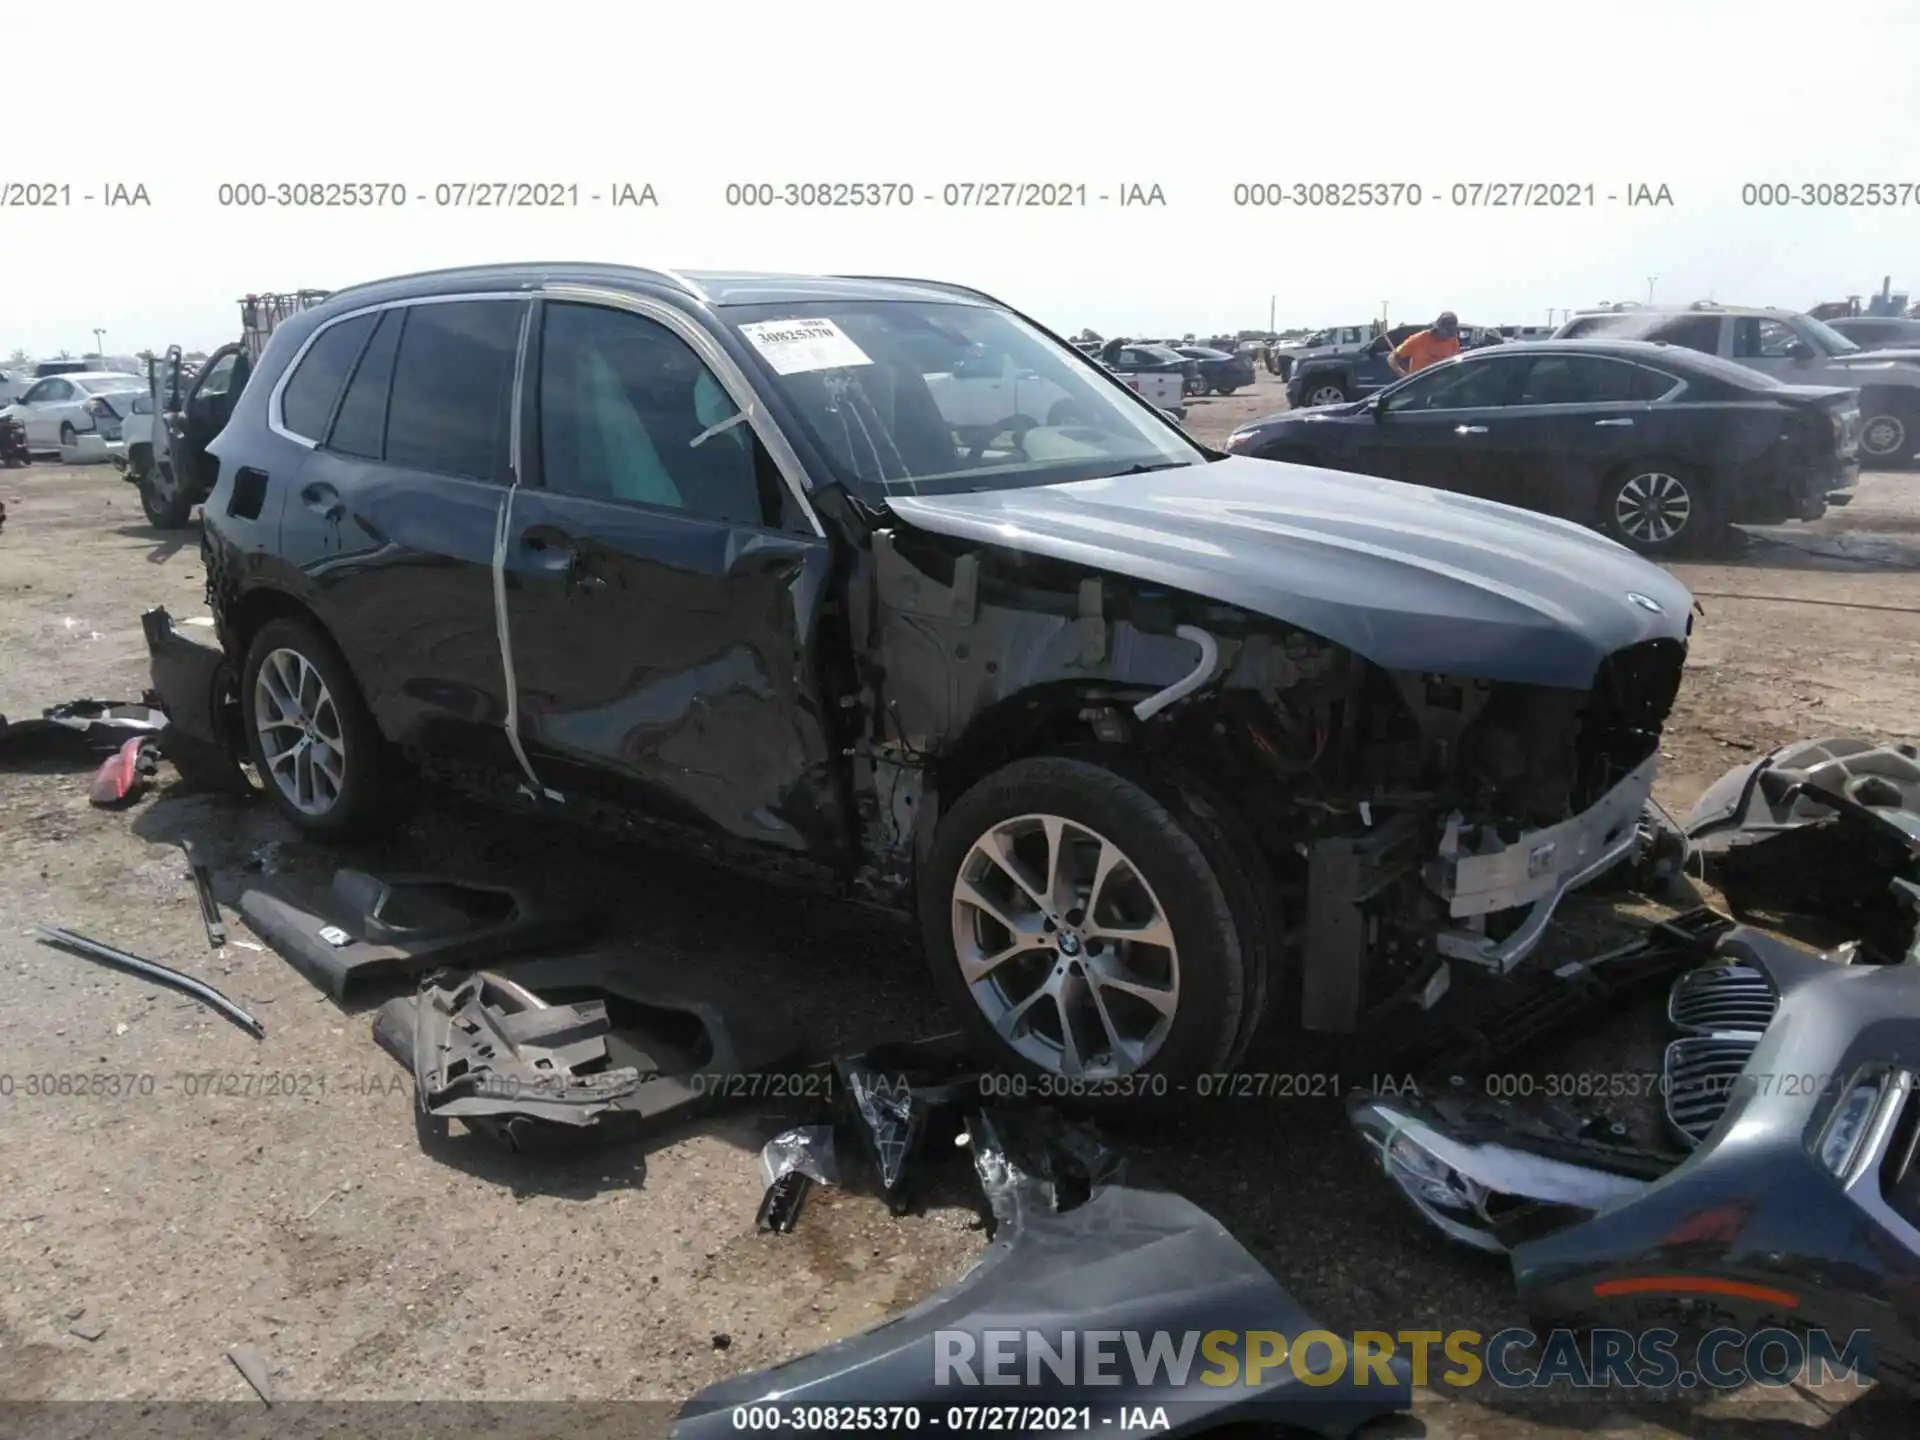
1157, 742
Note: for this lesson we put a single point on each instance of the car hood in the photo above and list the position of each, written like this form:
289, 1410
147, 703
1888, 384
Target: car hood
1304, 412
1409, 578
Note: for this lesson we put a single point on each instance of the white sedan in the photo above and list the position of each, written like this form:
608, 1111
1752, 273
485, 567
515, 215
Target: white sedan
61, 410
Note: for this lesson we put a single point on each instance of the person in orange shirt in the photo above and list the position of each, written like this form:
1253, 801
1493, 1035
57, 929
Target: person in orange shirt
1426, 347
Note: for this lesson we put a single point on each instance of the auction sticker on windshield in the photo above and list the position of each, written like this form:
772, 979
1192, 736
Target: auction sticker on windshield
794, 347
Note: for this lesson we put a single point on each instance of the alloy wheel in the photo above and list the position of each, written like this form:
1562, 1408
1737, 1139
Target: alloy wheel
300, 733
1326, 395
1065, 948
1884, 437
1652, 508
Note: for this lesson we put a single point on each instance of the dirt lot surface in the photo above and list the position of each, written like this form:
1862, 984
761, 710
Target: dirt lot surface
224, 1190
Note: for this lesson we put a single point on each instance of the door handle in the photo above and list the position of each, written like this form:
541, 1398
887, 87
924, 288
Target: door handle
323, 500
1621, 421
1469, 429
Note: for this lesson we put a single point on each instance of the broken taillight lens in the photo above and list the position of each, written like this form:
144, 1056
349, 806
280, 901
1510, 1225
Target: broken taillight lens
101, 410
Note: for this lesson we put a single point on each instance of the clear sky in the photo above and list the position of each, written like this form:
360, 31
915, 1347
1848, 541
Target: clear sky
1697, 96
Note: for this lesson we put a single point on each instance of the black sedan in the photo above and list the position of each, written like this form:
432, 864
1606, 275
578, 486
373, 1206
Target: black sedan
1220, 372
1656, 445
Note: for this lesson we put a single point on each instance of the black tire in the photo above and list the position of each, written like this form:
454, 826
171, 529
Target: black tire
1662, 528
1221, 949
167, 504
1224, 390
1318, 390
1889, 431
363, 802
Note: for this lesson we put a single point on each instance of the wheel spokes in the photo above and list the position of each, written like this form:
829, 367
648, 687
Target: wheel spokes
1064, 947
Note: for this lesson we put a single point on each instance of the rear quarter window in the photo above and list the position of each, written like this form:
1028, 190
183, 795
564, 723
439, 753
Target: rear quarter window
306, 405
360, 428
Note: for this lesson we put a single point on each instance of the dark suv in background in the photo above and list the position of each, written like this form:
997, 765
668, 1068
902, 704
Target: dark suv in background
1332, 377
1155, 740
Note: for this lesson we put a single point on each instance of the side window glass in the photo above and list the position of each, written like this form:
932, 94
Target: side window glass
1576, 380
1772, 339
451, 406
220, 379
361, 426
37, 394
1692, 332
306, 405
1651, 384
1459, 386
628, 412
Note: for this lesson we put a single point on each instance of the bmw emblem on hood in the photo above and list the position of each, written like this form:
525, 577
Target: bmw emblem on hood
1646, 602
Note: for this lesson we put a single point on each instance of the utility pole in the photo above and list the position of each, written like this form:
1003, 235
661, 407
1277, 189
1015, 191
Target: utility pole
99, 345
1650, 280
1272, 300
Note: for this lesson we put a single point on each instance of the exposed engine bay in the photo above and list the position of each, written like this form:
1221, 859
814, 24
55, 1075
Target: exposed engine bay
1408, 819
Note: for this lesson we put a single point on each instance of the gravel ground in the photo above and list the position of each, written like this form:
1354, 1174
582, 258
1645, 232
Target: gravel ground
295, 1208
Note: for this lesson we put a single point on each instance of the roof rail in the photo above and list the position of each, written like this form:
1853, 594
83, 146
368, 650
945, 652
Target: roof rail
666, 277
946, 285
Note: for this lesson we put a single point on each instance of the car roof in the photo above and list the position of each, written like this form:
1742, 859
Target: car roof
709, 287
1666, 312
1645, 352
133, 380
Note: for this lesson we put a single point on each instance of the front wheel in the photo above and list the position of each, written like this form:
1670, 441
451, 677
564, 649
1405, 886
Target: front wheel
1080, 930
1656, 508
166, 501
1326, 392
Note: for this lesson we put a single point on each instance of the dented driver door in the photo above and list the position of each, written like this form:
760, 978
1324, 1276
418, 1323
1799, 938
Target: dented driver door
663, 592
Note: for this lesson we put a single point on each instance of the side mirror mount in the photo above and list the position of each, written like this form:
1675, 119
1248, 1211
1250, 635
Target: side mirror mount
1800, 352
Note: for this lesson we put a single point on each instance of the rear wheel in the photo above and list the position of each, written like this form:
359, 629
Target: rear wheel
165, 500
1657, 508
1081, 930
1326, 392
69, 437
313, 741
1888, 433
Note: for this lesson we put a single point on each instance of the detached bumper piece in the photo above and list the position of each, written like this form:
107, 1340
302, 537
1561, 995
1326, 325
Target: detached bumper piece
596, 1046
1800, 1206
78, 730
1817, 831
194, 685
1122, 1259
369, 929
1488, 1173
